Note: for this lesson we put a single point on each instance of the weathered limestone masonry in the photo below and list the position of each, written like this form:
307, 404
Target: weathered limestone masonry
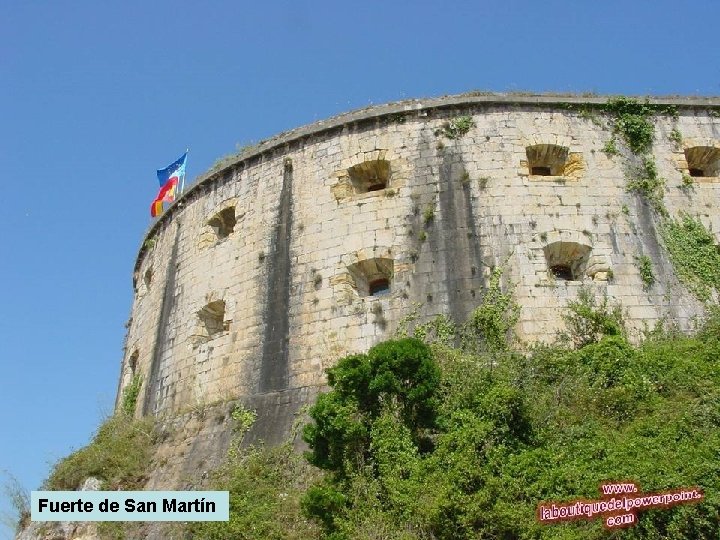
317, 243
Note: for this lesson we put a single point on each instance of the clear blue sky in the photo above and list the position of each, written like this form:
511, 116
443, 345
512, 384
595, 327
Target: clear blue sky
94, 96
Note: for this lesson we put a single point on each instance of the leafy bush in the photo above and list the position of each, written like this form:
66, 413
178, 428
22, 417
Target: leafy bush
490, 326
552, 425
399, 373
588, 320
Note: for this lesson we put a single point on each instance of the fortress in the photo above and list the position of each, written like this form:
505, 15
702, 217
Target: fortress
320, 241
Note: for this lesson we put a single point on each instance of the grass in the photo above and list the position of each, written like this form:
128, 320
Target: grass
119, 455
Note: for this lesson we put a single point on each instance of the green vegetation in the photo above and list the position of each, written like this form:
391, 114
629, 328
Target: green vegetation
397, 378
428, 214
130, 395
423, 442
243, 418
632, 120
119, 455
692, 248
265, 486
19, 500
590, 113
676, 137
422, 439
490, 326
693, 253
457, 127
647, 182
440, 329
610, 147
644, 265
588, 320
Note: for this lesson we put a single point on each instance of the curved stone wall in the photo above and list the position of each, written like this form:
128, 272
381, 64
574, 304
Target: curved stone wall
318, 242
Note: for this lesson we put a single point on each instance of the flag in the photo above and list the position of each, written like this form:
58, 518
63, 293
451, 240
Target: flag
169, 178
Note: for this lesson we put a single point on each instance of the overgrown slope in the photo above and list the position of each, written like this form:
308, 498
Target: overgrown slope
458, 436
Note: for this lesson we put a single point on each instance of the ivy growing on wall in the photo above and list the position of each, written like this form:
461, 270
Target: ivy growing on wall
632, 122
693, 253
646, 181
130, 395
490, 326
691, 247
644, 264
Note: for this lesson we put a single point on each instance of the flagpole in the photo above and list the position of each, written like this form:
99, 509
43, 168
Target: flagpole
182, 185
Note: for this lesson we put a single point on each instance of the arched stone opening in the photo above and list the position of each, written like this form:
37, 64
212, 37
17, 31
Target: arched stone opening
547, 159
703, 161
223, 223
370, 176
372, 277
567, 260
148, 277
132, 362
212, 319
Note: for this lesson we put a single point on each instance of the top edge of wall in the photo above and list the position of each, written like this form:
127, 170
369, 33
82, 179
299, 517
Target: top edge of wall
404, 107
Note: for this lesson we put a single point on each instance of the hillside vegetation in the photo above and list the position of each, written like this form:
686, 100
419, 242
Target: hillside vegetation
422, 439
449, 433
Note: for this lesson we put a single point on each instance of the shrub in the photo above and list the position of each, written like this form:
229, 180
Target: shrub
20, 502
550, 425
490, 326
398, 372
587, 321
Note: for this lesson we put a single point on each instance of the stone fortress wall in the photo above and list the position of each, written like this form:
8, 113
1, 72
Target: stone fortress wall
318, 242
